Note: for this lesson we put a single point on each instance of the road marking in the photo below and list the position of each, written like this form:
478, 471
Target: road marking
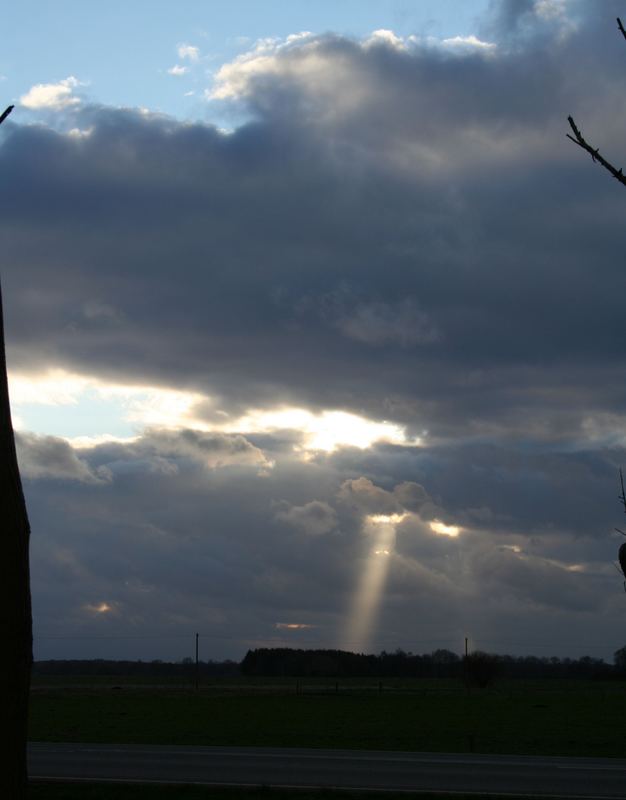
378, 758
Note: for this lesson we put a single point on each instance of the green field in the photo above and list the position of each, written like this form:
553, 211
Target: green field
541, 717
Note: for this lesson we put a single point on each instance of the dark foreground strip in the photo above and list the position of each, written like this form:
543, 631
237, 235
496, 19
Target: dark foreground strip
324, 794
361, 771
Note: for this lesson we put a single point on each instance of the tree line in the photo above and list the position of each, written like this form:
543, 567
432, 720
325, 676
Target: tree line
477, 668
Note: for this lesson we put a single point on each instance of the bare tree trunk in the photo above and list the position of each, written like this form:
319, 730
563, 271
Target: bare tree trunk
15, 609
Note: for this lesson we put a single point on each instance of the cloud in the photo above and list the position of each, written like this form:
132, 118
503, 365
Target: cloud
523, 21
374, 500
382, 323
189, 52
47, 457
212, 449
385, 37
233, 79
167, 451
467, 43
142, 406
54, 96
314, 518
399, 265
311, 60
200, 546
178, 70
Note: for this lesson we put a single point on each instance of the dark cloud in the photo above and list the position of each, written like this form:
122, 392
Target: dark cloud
400, 231
314, 517
48, 457
362, 494
233, 550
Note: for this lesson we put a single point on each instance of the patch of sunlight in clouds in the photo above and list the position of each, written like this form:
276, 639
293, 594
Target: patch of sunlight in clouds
325, 431
98, 608
382, 519
444, 530
293, 626
87, 411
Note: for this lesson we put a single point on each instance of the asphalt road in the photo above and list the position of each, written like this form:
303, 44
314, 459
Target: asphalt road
356, 769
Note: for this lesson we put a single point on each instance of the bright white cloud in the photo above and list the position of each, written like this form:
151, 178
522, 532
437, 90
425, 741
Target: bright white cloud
444, 530
321, 73
177, 70
154, 407
465, 43
52, 95
158, 407
188, 51
233, 79
89, 442
54, 388
384, 36
325, 431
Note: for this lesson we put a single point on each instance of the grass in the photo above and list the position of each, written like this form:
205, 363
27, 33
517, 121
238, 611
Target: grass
537, 718
103, 791
245, 683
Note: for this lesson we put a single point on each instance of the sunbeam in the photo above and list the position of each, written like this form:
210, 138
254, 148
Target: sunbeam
366, 602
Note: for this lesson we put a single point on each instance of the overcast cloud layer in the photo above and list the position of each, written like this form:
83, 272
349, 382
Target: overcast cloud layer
402, 232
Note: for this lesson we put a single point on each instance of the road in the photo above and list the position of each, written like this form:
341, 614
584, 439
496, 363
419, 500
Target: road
364, 769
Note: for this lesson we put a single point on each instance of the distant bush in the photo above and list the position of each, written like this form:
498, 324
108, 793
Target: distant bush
480, 669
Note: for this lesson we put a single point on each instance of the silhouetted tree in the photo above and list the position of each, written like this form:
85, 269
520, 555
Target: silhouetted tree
15, 602
595, 154
480, 668
619, 659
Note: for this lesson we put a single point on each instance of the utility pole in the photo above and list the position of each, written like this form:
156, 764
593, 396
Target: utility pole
197, 664
465, 667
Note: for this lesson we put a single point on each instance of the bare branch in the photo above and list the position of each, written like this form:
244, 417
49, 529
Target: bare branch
595, 156
622, 496
6, 113
621, 27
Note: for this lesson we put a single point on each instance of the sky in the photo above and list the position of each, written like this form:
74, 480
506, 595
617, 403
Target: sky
315, 324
